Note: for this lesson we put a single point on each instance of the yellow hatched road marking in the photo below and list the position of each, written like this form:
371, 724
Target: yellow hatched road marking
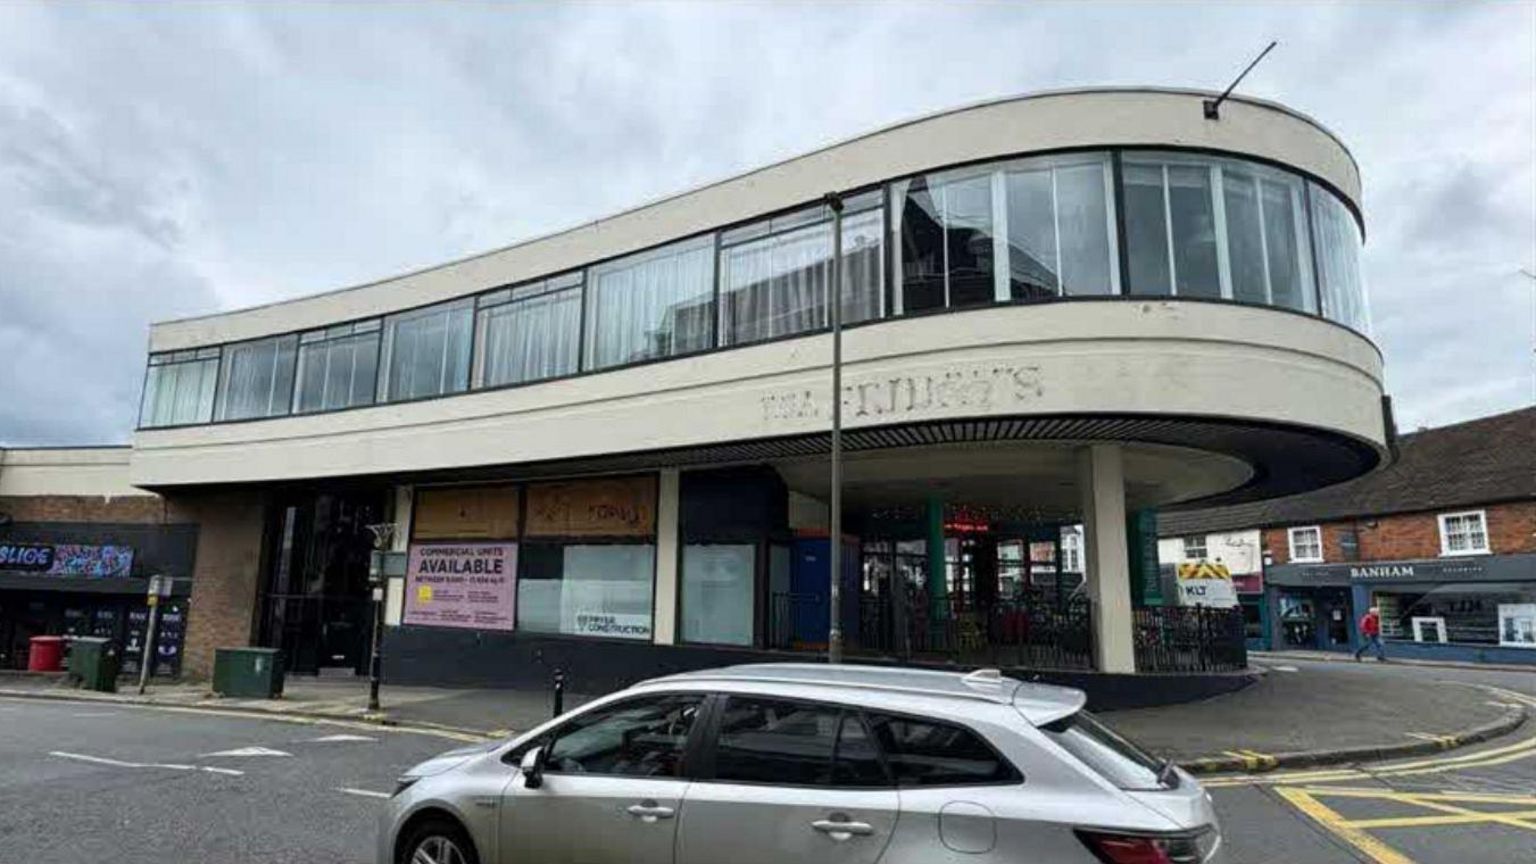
1513, 820
1373, 849
1465, 817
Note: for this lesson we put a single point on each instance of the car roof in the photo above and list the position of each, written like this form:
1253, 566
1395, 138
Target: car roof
1039, 703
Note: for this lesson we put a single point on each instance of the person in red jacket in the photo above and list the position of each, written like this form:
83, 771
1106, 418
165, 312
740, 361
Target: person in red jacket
1370, 631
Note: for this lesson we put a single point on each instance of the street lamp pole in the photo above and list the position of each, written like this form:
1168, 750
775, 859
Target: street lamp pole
382, 532
835, 554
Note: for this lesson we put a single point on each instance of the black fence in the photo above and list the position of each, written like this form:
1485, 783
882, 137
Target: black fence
1190, 639
1031, 632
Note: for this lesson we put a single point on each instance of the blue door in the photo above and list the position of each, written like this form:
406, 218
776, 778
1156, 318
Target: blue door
809, 589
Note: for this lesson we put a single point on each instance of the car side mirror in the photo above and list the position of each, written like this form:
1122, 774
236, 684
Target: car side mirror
532, 767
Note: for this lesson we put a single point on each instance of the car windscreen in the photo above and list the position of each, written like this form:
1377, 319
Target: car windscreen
1108, 753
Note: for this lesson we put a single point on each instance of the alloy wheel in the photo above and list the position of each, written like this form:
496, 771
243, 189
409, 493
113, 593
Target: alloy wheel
437, 850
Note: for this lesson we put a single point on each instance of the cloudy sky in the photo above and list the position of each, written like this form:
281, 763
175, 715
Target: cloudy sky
188, 158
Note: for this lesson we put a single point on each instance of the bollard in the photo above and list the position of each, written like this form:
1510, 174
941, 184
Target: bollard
559, 691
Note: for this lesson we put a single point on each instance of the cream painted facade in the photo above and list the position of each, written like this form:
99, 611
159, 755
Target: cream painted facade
1241, 551
1137, 357
1040, 409
83, 471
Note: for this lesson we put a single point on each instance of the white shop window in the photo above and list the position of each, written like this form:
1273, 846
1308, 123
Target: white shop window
718, 582
1464, 533
587, 589
1307, 544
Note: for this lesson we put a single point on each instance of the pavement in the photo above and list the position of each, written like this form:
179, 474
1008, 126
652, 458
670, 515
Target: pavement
1299, 713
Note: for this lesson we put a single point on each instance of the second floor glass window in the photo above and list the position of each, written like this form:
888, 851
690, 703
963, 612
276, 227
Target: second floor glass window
338, 367
1306, 544
1194, 548
426, 351
178, 387
775, 275
1463, 533
655, 304
256, 379
1338, 260
529, 333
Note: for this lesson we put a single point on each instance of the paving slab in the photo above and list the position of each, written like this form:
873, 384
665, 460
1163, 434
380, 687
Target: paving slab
1314, 707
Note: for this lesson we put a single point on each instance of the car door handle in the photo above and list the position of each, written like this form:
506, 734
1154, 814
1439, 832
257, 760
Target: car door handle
841, 829
649, 811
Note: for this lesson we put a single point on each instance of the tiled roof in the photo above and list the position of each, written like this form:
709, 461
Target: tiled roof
1481, 461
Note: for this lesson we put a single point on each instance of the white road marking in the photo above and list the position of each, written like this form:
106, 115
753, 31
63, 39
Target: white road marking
248, 751
94, 714
364, 793
118, 763
328, 739
1285, 668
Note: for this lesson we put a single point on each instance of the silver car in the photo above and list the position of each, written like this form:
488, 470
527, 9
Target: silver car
803, 764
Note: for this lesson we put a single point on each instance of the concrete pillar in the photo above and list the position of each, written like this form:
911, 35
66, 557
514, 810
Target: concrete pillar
664, 610
1101, 484
400, 540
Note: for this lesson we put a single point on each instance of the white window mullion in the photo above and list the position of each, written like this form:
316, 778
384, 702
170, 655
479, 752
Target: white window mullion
1223, 253
442, 369
1109, 226
1173, 266
1258, 196
1061, 281
943, 203
1002, 267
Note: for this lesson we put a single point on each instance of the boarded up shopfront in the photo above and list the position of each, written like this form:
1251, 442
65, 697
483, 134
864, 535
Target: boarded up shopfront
577, 557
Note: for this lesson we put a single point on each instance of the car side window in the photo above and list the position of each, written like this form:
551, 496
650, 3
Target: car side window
795, 744
771, 741
930, 753
642, 737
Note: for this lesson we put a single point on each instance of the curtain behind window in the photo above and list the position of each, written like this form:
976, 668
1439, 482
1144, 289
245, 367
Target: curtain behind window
532, 339
426, 352
656, 304
257, 378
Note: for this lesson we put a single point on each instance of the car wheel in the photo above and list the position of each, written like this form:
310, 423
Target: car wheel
438, 842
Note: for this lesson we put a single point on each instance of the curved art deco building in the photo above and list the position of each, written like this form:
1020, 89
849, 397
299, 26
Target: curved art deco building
1066, 308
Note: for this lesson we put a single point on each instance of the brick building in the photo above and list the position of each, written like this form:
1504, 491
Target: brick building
77, 543
1443, 542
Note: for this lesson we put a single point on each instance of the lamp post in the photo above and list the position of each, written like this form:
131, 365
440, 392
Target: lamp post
382, 532
835, 555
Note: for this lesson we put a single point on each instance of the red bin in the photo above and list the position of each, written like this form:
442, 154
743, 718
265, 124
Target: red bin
46, 654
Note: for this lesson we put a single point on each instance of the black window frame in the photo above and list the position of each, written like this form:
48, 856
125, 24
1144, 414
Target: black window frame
1018, 776
705, 761
690, 756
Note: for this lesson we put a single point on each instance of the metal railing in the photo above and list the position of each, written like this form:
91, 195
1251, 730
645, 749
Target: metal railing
1190, 639
1031, 632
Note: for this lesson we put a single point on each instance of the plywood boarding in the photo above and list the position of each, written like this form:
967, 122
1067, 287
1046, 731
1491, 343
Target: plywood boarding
466, 513
605, 507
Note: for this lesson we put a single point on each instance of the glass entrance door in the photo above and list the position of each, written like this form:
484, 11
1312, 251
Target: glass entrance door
317, 607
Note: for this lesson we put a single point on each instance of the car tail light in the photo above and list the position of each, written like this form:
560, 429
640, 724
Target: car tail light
1193, 847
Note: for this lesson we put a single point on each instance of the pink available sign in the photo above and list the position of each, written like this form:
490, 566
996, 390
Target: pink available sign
471, 585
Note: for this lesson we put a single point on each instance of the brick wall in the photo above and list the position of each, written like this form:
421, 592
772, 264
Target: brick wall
226, 577
1511, 529
140, 509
